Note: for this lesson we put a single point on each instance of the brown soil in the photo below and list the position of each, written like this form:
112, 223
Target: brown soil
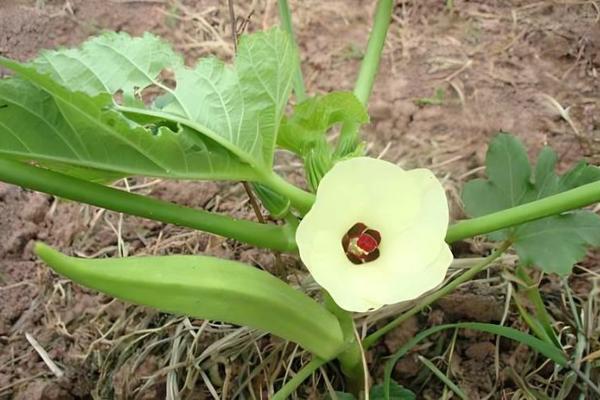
493, 60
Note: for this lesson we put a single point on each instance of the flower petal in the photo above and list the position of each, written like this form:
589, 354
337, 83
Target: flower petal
410, 211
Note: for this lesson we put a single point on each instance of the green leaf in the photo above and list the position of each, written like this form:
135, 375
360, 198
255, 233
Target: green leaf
546, 181
397, 392
218, 123
508, 168
110, 63
581, 174
240, 107
305, 132
313, 117
509, 172
208, 288
277, 205
43, 121
317, 162
553, 244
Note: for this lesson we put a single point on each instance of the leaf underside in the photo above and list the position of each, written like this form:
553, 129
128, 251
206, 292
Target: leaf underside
553, 244
218, 122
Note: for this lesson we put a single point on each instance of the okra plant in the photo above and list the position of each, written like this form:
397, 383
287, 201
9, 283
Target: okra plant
72, 121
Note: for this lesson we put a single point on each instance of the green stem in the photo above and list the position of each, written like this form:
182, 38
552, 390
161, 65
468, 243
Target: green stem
533, 294
351, 358
300, 377
368, 72
299, 198
286, 20
433, 297
552, 205
270, 236
370, 63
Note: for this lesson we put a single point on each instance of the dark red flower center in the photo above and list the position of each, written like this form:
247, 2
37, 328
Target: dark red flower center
361, 244
367, 242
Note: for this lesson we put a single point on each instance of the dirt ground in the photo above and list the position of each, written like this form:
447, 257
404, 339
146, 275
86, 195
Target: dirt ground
493, 61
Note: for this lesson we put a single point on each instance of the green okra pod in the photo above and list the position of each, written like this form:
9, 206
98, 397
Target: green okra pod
208, 288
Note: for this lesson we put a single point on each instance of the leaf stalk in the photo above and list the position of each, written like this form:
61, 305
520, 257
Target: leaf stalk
370, 64
263, 235
571, 199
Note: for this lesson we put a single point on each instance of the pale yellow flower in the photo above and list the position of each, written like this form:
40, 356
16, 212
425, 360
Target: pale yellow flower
375, 234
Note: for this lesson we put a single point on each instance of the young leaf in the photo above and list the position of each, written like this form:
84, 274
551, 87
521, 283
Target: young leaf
109, 63
208, 288
553, 244
277, 205
47, 123
314, 116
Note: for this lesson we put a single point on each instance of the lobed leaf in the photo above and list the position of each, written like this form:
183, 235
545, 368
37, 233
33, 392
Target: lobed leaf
109, 63
208, 288
553, 244
239, 107
218, 123
45, 122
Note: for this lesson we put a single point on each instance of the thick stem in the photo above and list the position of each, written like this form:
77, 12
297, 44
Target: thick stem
299, 198
43, 180
351, 358
433, 297
286, 21
369, 67
552, 205
370, 63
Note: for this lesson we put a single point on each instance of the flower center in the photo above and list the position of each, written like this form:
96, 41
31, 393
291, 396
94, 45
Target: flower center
361, 244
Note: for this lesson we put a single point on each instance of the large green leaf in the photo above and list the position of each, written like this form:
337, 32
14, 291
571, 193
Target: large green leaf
43, 121
555, 243
110, 63
240, 107
222, 121
208, 288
